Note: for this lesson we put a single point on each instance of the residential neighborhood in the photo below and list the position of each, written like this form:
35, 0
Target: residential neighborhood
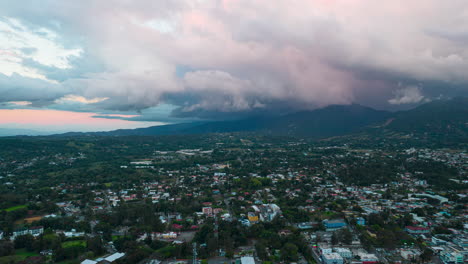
240, 202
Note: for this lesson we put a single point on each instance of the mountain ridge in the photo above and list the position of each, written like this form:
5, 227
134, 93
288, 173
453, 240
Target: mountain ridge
444, 117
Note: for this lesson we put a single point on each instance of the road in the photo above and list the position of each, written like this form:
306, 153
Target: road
228, 207
316, 255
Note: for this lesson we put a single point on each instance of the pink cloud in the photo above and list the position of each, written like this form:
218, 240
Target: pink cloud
65, 120
244, 53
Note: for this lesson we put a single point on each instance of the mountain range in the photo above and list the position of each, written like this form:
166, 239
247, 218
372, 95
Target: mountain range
445, 117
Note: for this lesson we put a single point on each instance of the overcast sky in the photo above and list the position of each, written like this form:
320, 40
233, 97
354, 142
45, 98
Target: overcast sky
100, 65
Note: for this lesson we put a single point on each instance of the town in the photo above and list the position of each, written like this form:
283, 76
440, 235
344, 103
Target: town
231, 198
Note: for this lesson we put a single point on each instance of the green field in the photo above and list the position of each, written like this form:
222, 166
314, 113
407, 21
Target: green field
14, 208
114, 238
23, 252
11, 259
20, 255
74, 243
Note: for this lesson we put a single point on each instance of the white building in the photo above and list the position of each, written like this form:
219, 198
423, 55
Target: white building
1, 235
332, 258
114, 257
325, 248
109, 259
20, 232
168, 235
36, 231
267, 211
144, 162
410, 254
344, 252
368, 257
88, 261
73, 233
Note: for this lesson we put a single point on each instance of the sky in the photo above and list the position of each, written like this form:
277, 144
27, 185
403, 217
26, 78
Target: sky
93, 65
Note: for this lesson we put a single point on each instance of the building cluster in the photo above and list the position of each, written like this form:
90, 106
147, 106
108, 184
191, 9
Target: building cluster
309, 186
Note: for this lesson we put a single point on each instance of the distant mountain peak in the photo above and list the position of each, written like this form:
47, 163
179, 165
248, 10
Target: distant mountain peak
441, 116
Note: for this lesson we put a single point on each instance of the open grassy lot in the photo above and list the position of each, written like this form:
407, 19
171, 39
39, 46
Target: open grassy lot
74, 243
14, 208
20, 254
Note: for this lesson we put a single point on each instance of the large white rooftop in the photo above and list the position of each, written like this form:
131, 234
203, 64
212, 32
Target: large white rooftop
332, 256
247, 260
114, 257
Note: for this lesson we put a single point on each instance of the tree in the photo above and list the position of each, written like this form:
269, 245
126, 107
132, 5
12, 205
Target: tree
211, 244
25, 241
334, 238
6, 248
426, 255
346, 236
261, 250
94, 244
289, 252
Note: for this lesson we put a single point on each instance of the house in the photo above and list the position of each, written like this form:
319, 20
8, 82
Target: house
217, 211
177, 226
284, 232
252, 217
207, 204
207, 210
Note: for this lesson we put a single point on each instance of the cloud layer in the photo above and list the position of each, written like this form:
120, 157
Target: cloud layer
212, 57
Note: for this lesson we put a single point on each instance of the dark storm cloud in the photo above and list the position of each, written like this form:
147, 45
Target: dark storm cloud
19, 88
